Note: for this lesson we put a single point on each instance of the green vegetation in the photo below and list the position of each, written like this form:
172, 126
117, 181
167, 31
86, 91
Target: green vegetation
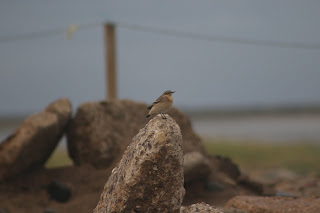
59, 158
302, 158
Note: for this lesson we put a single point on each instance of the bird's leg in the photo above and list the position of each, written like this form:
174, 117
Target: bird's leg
163, 116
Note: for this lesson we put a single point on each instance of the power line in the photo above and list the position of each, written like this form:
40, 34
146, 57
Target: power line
222, 39
168, 32
47, 33
29, 36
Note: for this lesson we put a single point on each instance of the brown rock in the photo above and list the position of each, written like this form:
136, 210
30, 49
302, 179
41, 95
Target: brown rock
304, 186
195, 166
149, 177
62, 109
253, 185
253, 204
226, 165
100, 131
200, 207
33, 142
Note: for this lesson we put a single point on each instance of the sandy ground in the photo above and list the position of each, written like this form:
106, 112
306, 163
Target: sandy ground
27, 193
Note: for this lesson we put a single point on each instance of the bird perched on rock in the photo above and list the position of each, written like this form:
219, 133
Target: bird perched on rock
162, 104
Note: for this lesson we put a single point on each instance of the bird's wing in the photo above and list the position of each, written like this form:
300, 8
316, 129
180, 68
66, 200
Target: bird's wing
157, 101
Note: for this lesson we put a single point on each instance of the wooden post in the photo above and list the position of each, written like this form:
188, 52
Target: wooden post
110, 58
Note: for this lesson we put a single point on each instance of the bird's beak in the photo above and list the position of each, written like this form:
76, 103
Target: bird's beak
173, 91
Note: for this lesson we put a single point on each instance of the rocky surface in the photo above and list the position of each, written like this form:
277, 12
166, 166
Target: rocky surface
33, 142
287, 183
272, 176
256, 204
143, 181
200, 207
304, 186
29, 192
195, 166
149, 177
100, 131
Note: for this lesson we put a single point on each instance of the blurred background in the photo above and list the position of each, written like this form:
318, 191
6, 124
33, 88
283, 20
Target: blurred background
246, 72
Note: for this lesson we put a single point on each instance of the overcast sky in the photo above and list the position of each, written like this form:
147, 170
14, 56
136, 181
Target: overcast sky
37, 71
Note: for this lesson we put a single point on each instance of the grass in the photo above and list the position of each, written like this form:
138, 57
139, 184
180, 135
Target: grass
59, 158
302, 158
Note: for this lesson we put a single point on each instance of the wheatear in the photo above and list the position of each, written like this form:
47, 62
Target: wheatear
162, 104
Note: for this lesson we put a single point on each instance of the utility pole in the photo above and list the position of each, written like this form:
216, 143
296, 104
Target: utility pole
110, 60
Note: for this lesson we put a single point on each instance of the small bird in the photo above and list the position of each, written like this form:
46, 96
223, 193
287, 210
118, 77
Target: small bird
162, 104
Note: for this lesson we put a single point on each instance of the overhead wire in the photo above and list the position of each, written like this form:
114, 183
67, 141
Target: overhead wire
169, 32
47, 33
223, 39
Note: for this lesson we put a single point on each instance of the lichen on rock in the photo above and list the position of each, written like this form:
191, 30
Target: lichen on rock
149, 177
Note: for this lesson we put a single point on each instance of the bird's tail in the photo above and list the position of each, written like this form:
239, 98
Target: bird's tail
147, 116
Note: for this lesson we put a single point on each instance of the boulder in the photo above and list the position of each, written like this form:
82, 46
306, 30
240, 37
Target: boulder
255, 204
195, 166
303, 186
33, 142
200, 207
149, 176
100, 131
225, 165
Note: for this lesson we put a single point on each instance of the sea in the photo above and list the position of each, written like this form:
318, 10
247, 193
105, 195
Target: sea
300, 128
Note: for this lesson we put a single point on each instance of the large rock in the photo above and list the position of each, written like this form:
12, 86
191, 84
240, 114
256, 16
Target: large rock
200, 207
195, 166
254, 204
33, 142
100, 131
149, 177
226, 165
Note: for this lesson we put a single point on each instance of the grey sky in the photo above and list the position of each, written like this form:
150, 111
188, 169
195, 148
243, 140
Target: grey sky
35, 72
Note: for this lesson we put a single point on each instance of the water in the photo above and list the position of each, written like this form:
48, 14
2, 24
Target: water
286, 129
289, 129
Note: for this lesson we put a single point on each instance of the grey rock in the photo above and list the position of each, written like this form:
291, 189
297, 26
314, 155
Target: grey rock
100, 131
214, 186
33, 142
48, 210
149, 177
283, 194
199, 207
